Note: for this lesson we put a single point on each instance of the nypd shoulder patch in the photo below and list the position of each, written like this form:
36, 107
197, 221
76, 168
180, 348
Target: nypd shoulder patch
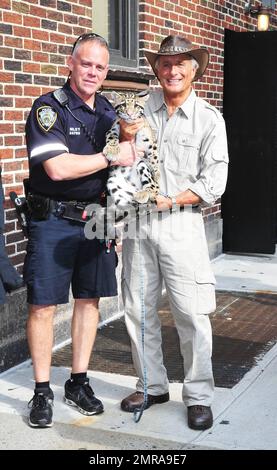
46, 117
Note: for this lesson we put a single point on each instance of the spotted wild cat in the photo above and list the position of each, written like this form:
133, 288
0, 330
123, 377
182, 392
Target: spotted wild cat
139, 183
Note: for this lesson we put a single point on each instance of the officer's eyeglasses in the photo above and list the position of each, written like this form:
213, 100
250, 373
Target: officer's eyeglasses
86, 36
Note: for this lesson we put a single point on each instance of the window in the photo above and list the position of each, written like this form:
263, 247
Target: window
117, 21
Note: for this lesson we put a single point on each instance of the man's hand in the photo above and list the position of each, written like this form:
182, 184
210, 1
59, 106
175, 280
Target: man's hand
128, 131
128, 154
163, 203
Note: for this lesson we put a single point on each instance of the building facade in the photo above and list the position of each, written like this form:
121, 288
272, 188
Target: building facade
36, 37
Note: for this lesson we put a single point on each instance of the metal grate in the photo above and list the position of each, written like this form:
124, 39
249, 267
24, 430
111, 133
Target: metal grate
244, 329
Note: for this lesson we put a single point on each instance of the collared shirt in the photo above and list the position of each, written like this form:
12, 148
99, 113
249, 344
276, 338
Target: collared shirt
51, 131
192, 146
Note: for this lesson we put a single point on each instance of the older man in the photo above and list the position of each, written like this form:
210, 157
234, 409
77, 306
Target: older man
193, 166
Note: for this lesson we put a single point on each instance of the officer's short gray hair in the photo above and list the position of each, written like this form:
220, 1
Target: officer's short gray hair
86, 37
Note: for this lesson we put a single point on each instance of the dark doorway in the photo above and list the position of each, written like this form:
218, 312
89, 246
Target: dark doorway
250, 110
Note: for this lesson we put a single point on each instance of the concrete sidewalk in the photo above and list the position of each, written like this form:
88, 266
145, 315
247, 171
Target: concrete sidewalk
245, 416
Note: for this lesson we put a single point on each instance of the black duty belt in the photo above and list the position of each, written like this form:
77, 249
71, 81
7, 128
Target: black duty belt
41, 207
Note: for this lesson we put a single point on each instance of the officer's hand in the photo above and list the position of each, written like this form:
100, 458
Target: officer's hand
128, 131
128, 154
163, 203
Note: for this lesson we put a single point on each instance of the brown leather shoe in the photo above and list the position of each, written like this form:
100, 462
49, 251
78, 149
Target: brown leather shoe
200, 417
135, 400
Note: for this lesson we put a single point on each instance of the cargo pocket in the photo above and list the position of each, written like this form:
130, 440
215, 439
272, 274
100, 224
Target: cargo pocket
205, 286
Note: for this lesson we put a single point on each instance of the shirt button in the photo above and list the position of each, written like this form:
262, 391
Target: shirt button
161, 161
165, 141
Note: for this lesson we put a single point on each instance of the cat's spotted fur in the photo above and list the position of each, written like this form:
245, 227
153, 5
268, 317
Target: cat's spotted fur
139, 183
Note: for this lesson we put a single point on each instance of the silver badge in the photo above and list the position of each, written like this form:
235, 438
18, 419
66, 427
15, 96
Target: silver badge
46, 117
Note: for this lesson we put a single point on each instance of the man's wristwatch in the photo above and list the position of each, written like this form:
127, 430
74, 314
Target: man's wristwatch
175, 206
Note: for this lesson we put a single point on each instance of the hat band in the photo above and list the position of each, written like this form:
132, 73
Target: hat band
173, 49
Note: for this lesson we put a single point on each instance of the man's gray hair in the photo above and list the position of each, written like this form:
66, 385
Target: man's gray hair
89, 37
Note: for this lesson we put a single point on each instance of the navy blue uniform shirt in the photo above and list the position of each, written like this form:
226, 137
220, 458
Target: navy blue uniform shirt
51, 130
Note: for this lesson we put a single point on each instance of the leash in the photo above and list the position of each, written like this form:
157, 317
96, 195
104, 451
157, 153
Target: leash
138, 412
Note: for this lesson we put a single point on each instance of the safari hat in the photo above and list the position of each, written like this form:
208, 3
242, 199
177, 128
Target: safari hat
174, 45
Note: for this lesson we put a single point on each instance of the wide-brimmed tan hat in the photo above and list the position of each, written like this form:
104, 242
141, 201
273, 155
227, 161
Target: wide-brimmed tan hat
174, 45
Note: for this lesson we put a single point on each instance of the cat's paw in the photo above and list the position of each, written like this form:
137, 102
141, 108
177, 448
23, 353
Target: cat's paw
142, 197
112, 148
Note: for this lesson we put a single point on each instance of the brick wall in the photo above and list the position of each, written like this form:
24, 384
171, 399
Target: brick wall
203, 22
35, 39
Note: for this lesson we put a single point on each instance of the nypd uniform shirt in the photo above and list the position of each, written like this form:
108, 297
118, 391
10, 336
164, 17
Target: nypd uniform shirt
192, 143
51, 131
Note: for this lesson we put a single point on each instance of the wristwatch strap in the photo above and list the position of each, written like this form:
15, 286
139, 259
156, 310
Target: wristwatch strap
175, 206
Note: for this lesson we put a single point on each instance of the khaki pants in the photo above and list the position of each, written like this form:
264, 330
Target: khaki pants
173, 250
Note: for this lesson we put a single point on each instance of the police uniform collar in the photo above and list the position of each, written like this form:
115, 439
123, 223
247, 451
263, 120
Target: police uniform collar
101, 105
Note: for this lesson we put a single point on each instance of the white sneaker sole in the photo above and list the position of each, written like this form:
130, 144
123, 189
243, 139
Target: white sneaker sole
84, 412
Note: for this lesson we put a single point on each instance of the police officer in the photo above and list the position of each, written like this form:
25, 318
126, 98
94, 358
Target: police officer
65, 134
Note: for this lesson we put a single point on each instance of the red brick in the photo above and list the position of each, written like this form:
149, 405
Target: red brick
43, 35
6, 4
19, 177
12, 166
22, 32
7, 179
23, 102
57, 38
39, 12
64, 28
6, 77
63, 71
31, 45
21, 153
31, 67
13, 90
6, 128
13, 42
40, 57
19, 128
13, 115
13, 140
6, 153
32, 21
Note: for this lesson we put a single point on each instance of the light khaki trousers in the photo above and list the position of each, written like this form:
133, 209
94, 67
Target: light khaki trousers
173, 250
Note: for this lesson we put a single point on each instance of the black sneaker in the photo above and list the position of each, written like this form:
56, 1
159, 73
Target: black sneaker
83, 397
41, 408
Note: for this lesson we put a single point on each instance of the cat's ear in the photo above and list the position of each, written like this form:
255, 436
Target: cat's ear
144, 95
115, 96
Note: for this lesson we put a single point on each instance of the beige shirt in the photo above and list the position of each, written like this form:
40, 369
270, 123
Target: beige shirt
192, 146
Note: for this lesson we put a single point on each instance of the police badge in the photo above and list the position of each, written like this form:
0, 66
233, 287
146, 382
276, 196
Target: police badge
46, 117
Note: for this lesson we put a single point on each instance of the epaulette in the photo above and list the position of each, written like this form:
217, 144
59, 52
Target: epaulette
215, 110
